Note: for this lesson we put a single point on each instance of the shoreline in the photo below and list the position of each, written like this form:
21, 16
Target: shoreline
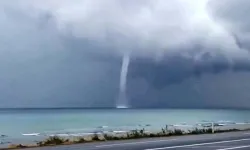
133, 134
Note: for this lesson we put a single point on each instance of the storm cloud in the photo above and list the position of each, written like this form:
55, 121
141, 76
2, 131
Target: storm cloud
59, 53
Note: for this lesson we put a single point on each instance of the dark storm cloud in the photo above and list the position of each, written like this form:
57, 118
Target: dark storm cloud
43, 68
64, 53
176, 68
224, 90
232, 15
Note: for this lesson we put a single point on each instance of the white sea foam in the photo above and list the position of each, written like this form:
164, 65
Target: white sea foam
241, 123
81, 134
120, 131
103, 127
63, 135
182, 125
31, 134
226, 122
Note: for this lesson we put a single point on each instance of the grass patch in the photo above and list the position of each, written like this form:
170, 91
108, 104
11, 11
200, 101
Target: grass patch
229, 130
175, 132
80, 140
54, 140
108, 137
96, 138
201, 131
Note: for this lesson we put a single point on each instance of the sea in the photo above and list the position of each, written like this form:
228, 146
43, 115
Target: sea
31, 125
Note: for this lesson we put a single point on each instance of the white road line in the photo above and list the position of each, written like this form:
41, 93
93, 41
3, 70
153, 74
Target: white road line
132, 143
200, 144
246, 133
239, 147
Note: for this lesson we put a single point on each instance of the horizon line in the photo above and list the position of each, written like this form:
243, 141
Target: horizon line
234, 108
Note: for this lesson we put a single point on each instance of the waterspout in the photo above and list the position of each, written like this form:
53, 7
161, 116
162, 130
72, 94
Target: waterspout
122, 101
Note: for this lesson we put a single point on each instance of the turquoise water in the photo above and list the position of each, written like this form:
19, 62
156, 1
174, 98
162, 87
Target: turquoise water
18, 125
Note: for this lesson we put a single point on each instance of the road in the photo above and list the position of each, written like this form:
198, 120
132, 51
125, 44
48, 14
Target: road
222, 141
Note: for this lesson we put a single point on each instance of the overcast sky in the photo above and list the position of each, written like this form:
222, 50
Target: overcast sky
184, 53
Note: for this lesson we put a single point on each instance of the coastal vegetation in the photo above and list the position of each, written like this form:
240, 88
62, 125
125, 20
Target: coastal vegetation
134, 134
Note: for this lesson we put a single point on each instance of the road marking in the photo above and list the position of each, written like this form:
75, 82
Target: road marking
239, 147
200, 144
218, 146
132, 143
246, 133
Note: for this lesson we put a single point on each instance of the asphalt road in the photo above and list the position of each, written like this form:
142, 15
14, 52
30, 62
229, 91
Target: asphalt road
222, 141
